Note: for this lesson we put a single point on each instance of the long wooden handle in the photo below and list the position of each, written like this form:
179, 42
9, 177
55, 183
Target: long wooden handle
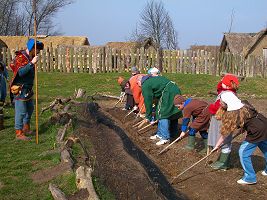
191, 166
176, 140
35, 73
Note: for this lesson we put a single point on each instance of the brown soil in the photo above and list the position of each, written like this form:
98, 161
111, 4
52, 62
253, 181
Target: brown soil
133, 174
46, 175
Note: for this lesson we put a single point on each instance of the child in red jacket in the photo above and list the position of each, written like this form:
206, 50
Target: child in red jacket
229, 83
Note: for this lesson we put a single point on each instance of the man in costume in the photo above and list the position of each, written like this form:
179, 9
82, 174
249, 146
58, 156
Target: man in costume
23, 67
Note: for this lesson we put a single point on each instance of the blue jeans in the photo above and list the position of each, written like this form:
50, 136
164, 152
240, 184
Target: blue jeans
167, 128
2, 89
23, 113
192, 132
245, 151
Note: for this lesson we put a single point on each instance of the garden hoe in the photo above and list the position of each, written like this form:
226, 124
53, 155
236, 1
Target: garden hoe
192, 166
142, 124
120, 100
165, 149
226, 141
138, 123
150, 124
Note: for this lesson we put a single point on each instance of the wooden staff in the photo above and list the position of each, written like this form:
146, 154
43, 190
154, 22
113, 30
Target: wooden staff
35, 71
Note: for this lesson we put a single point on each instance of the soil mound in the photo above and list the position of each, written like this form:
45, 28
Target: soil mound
121, 165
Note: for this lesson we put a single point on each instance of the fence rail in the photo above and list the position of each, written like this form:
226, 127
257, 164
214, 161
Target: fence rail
104, 60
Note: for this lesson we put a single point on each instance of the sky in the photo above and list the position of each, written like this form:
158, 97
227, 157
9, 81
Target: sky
198, 22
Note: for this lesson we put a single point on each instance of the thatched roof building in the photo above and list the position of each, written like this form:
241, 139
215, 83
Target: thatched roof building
123, 46
131, 45
258, 43
18, 42
245, 43
236, 42
213, 49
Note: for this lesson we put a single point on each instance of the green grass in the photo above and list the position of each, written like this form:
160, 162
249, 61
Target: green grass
18, 159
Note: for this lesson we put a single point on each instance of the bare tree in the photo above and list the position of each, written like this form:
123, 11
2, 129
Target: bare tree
156, 23
156, 26
16, 16
46, 10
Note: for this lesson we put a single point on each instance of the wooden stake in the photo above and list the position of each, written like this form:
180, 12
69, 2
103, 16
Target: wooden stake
36, 70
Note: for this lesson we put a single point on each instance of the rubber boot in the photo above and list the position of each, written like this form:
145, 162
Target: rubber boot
20, 135
191, 143
204, 151
26, 129
223, 162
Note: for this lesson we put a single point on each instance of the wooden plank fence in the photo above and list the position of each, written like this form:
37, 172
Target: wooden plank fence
105, 60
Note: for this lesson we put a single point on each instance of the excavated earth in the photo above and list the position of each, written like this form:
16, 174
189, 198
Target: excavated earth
127, 161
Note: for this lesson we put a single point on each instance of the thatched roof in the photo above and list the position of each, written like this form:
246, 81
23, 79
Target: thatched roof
236, 42
14, 42
208, 48
256, 39
123, 46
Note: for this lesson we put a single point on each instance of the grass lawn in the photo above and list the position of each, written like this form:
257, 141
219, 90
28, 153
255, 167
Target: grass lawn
18, 159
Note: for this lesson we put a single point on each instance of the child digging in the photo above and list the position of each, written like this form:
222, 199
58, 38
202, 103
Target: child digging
199, 111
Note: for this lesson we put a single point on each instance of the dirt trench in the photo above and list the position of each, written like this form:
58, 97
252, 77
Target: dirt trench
121, 165
128, 162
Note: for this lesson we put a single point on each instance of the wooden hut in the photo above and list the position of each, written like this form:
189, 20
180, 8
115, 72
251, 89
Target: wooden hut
245, 43
19, 42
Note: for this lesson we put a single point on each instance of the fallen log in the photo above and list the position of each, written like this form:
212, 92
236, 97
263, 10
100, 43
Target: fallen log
56, 101
66, 157
84, 181
56, 192
62, 132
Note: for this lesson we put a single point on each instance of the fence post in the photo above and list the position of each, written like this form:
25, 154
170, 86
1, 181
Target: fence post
141, 58
63, 56
169, 61
4, 55
119, 62
71, 51
8, 57
44, 61
89, 60
39, 63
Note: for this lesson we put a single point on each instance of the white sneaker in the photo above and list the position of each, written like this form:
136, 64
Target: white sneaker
242, 182
161, 142
154, 137
264, 173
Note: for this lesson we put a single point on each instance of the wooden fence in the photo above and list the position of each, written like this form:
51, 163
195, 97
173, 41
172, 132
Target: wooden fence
104, 60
